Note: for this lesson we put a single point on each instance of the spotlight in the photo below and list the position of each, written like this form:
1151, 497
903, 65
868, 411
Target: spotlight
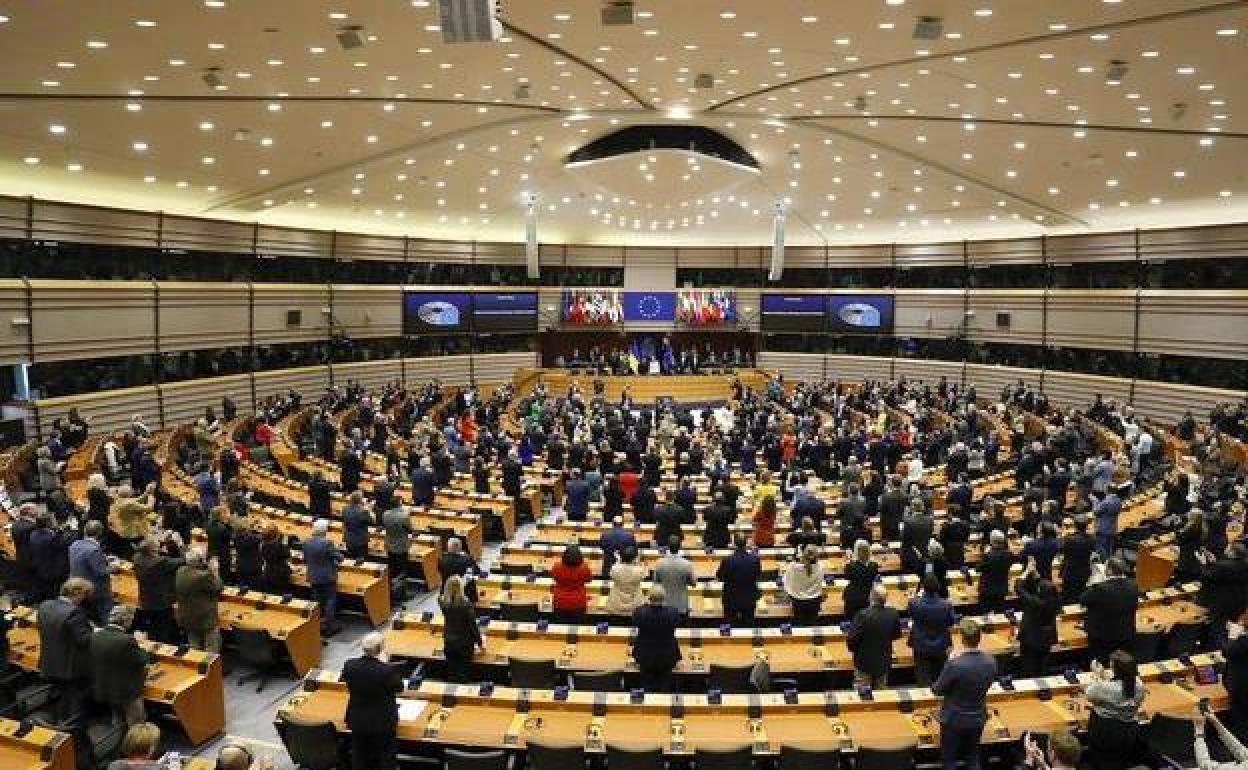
1117, 72
212, 77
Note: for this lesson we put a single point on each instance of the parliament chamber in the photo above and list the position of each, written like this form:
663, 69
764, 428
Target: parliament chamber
621, 385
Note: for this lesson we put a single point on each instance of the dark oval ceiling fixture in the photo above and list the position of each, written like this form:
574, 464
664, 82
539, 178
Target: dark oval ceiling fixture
696, 139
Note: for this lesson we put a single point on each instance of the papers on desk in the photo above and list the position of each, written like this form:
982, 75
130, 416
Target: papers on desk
410, 709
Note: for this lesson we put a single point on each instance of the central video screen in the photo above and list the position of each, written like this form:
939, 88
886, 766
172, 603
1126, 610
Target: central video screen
860, 313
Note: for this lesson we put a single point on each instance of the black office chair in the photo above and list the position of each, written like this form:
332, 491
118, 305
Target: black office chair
1173, 738
732, 758
533, 674
598, 681
311, 745
503, 568
475, 760
634, 757
1182, 639
875, 758
793, 758
730, 679
256, 650
1147, 646
519, 612
555, 756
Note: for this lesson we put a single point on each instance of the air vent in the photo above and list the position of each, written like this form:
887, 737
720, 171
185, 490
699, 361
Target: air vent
929, 28
618, 13
705, 80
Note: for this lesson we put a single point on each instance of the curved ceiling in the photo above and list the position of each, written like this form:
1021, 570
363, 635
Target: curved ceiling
1012, 121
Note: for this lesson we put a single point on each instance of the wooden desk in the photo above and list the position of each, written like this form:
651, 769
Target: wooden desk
34, 748
506, 718
295, 624
181, 680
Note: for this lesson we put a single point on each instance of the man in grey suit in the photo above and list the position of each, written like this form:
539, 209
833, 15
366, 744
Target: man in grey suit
675, 573
65, 649
963, 685
322, 559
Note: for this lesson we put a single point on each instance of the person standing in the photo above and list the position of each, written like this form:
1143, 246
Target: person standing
931, 617
570, 599
870, 639
994, 573
321, 557
654, 645
65, 651
372, 708
803, 584
861, 573
156, 566
197, 587
675, 573
1037, 632
740, 572
355, 522
963, 686
626, 575
576, 496
87, 561
460, 633
276, 555
1106, 511
397, 524
119, 666
1076, 550
613, 542
1109, 611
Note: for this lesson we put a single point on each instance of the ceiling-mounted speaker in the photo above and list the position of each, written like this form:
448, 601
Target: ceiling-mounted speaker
705, 80
929, 28
350, 37
531, 248
777, 243
618, 13
469, 21
212, 77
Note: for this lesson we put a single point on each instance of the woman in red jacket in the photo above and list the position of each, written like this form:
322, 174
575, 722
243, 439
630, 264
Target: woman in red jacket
765, 523
570, 598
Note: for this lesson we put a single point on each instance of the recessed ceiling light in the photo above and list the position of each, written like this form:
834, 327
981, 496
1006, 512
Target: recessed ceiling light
337, 15
216, 46
139, 146
1150, 54
316, 49
97, 44
1185, 70
1228, 32
4, 19
144, 23
214, 3
809, 19
56, 128
51, 83
66, 65
205, 126
1179, 173
208, 160
983, 12
75, 167
30, 160
133, 107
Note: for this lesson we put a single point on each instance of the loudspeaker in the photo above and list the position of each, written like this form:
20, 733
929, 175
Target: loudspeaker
1003, 320
777, 244
469, 21
349, 37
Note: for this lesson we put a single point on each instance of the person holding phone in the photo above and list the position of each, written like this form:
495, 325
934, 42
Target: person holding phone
1201, 747
1062, 753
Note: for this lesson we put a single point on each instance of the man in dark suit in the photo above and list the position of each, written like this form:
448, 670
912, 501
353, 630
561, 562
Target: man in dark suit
576, 496
668, 518
119, 666
65, 649
613, 542
994, 573
423, 483
654, 646
892, 509
1076, 550
740, 572
319, 493
1110, 605
871, 639
372, 708
643, 504
963, 685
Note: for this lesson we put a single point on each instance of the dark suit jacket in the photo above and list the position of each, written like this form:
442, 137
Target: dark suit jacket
667, 520
1110, 616
739, 572
654, 646
576, 499
118, 667
871, 638
1236, 675
1039, 625
460, 630
372, 686
64, 640
963, 683
994, 573
716, 520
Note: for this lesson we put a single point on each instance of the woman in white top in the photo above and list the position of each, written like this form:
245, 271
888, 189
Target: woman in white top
626, 577
914, 471
803, 582
975, 462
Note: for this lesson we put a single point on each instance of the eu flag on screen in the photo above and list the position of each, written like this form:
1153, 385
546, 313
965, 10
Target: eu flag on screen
649, 306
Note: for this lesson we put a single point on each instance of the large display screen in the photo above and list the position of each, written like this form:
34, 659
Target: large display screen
498, 312
860, 313
592, 307
793, 312
650, 306
436, 312
706, 307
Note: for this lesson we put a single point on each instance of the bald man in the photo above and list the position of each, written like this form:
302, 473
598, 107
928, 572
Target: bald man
372, 710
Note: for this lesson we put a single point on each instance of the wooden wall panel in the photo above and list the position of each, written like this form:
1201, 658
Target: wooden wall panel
13, 217
368, 311
1166, 402
1013, 251
801, 367
451, 370
1026, 309
93, 319
989, 380
805, 257
1103, 318
368, 247
373, 375
500, 253
310, 381
1067, 389
926, 371
710, 256
104, 412
1194, 323
185, 401
858, 368
206, 235
14, 323
1219, 241
498, 368
273, 300
929, 254
876, 256
458, 252
933, 313
1104, 247
749, 309
94, 224
195, 316
594, 256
